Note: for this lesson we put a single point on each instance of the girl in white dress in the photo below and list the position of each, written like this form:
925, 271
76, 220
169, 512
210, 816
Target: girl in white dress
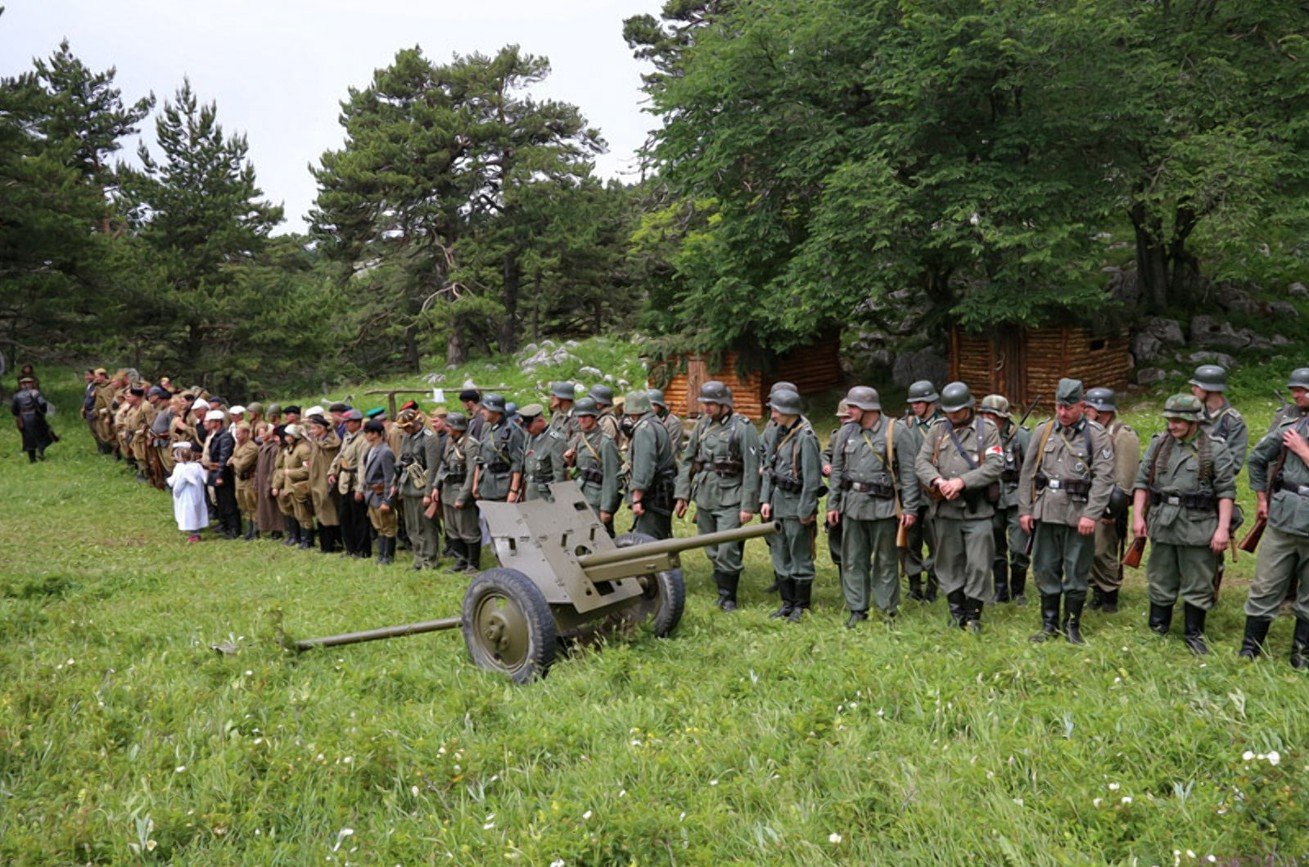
188, 484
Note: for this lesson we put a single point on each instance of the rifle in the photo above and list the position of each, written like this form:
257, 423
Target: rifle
1032, 406
1218, 577
1251, 540
1133, 556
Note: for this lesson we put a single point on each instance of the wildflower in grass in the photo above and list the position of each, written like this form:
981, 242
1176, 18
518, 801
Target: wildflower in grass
1097, 802
1113, 787
1274, 757
1127, 799
1248, 755
834, 838
586, 815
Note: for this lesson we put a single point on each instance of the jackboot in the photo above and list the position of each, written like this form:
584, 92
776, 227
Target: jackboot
326, 536
306, 537
1000, 571
292, 536
730, 581
385, 550
786, 588
451, 548
973, 613
1300, 645
1097, 598
1161, 618
916, 588
801, 593
460, 555
1110, 605
776, 586
1073, 618
1049, 618
31, 459
958, 613
1193, 632
250, 532
474, 562
931, 587
1256, 630
1017, 584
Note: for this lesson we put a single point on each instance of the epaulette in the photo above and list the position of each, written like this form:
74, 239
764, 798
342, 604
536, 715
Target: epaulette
1094, 423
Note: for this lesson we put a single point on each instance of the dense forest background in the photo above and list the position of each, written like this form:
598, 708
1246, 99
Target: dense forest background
879, 167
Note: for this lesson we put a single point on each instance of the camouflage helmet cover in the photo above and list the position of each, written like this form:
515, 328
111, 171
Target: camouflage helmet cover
996, 405
636, 403
1186, 407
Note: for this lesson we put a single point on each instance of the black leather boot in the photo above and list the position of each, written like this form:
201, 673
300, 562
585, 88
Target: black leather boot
1049, 618
1097, 598
958, 614
973, 613
930, 587
474, 561
730, 583
1018, 584
1073, 618
292, 536
916, 588
1193, 632
385, 550
1110, 605
786, 588
1256, 630
306, 537
1161, 618
776, 586
1000, 571
459, 553
1300, 645
802, 593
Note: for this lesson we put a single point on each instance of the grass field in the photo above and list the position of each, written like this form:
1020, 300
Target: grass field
124, 737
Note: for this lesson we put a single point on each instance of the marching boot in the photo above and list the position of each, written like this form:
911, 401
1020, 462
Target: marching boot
786, 587
1110, 605
451, 548
385, 550
1161, 618
731, 582
474, 563
720, 584
1017, 584
1049, 618
916, 588
958, 610
932, 585
249, 531
1256, 630
306, 537
1000, 570
801, 593
1073, 618
1097, 598
459, 554
292, 536
325, 539
31, 459
855, 618
1300, 645
973, 613
1194, 629
776, 586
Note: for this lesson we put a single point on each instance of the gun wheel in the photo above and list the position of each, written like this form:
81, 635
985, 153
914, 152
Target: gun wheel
507, 625
665, 592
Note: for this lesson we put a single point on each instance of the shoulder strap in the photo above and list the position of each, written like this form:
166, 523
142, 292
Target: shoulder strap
1204, 448
1164, 453
890, 462
1040, 448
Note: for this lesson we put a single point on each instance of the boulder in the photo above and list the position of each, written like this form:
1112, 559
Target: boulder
1283, 308
909, 367
1166, 331
1222, 359
590, 371
1148, 376
1213, 333
1298, 290
1146, 347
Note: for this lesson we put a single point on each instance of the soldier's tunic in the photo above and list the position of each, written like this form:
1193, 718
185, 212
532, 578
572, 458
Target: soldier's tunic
1285, 415
836, 532
1067, 476
104, 413
347, 466
245, 458
1107, 568
1190, 477
1011, 560
543, 463
720, 474
161, 432
597, 466
376, 475
917, 564
268, 518
1283, 559
608, 422
653, 472
455, 483
293, 484
88, 408
791, 486
871, 486
420, 458
498, 457
676, 432
324, 452
961, 528
1228, 425
564, 424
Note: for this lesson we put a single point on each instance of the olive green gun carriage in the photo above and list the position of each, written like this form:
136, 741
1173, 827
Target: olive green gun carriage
561, 578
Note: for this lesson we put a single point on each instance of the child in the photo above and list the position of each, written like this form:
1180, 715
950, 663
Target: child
188, 484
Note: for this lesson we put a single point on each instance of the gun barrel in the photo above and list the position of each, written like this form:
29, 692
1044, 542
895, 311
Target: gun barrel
676, 546
379, 634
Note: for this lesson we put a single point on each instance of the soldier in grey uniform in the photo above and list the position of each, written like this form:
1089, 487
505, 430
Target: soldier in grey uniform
597, 464
789, 494
543, 462
416, 467
959, 466
454, 490
1111, 532
720, 474
1184, 490
670, 421
1279, 476
925, 411
1011, 560
652, 469
1062, 494
834, 531
1220, 418
874, 492
603, 396
1291, 412
498, 462
767, 440
562, 395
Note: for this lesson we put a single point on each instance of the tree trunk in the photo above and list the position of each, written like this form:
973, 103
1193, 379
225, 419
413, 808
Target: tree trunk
1151, 259
412, 359
455, 353
512, 284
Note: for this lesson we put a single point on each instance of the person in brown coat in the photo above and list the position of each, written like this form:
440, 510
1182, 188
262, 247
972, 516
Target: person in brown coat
268, 519
245, 456
325, 445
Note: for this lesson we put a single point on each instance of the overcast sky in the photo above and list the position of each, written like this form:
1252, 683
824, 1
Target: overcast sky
278, 69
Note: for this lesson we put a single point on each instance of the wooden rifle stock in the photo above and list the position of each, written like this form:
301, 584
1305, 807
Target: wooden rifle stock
901, 536
1251, 540
1133, 556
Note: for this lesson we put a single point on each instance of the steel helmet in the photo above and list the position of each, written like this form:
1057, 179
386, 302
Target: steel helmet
1186, 407
563, 390
714, 391
657, 398
1102, 399
956, 396
996, 405
922, 391
863, 397
782, 385
636, 403
1299, 378
1210, 377
456, 421
494, 402
603, 395
786, 401
586, 406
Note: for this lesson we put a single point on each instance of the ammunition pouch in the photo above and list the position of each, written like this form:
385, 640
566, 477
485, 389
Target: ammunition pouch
498, 467
876, 490
592, 475
1075, 489
1200, 501
787, 483
245, 476
454, 478
1291, 488
727, 468
1009, 476
659, 499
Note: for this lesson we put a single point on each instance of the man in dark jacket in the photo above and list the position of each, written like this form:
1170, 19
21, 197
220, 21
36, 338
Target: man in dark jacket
222, 480
29, 408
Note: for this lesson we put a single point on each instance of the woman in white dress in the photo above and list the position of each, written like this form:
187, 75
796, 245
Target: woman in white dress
188, 485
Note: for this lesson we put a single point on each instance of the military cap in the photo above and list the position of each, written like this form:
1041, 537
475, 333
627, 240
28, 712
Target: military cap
155, 391
922, 391
314, 410
338, 407
274, 408
786, 401
657, 397
354, 415
563, 390
1299, 378
409, 404
456, 421
293, 408
255, 406
602, 394
586, 406
215, 415
372, 426
636, 403
319, 419
1186, 407
237, 410
714, 391
1210, 377
373, 413
279, 431
135, 391
996, 405
1070, 391
864, 398
782, 385
215, 400
956, 396
26, 378
407, 416
1102, 399
470, 394
494, 402
531, 411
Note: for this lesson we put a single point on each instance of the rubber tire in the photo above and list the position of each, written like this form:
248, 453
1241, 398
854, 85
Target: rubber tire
668, 586
519, 590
